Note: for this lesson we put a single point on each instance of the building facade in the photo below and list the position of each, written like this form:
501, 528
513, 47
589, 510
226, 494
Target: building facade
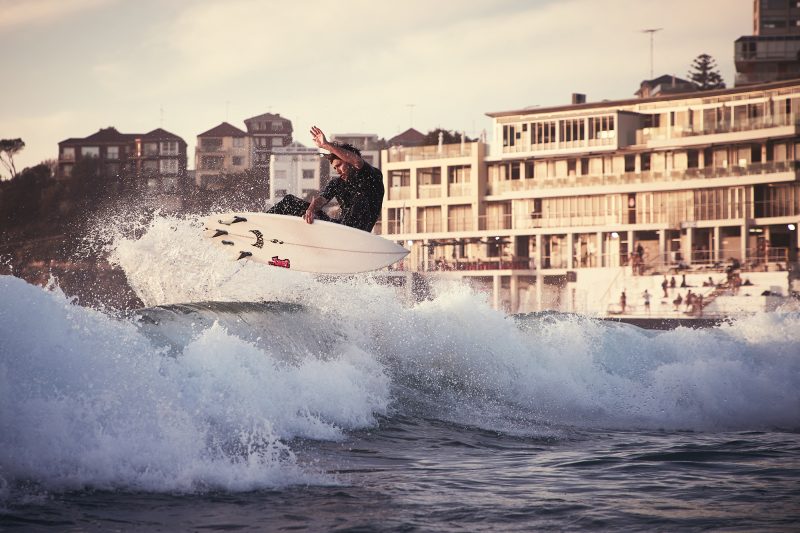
156, 159
220, 152
268, 131
691, 180
368, 143
772, 53
295, 169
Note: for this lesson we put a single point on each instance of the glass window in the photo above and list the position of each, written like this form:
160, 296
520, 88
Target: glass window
238, 142
90, 151
68, 154
308, 174
150, 149
277, 141
237, 160
400, 178
169, 148
169, 166
112, 152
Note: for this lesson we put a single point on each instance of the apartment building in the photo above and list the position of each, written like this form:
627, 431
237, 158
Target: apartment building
156, 159
772, 53
566, 194
295, 169
222, 151
268, 131
368, 143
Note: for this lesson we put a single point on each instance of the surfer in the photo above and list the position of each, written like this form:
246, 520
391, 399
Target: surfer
358, 189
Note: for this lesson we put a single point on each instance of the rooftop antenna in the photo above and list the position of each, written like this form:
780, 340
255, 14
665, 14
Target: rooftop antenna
651, 31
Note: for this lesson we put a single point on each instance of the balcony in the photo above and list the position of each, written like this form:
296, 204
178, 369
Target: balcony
459, 189
429, 191
500, 187
747, 124
469, 264
399, 193
415, 153
648, 176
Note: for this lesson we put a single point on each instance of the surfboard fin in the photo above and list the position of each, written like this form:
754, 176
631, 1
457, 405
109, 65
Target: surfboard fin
243, 255
234, 220
219, 233
229, 243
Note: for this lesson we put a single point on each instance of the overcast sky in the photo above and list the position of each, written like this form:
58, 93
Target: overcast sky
72, 67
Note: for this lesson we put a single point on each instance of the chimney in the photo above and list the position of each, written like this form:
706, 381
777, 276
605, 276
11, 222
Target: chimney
578, 98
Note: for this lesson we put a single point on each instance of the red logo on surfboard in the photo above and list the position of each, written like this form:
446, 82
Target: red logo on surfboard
283, 263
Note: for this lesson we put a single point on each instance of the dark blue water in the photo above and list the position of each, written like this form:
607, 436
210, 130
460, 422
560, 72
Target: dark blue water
348, 411
412, 474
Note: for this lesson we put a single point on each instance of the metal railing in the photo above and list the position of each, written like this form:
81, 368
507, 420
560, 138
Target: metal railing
413, 153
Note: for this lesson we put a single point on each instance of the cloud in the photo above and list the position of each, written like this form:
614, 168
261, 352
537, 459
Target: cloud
18, 14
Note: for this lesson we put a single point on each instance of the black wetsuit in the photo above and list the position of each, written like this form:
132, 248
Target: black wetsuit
360, 199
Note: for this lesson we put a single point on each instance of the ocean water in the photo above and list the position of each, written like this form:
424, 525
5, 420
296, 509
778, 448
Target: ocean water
331, 404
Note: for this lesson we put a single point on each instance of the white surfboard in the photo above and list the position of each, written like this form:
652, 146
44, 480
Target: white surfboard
290, 242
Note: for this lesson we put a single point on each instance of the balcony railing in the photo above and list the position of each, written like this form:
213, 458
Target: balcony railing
500, 187
399, 153
459, 189
429, 191
648, 176
399, 193
743, 124
468, 264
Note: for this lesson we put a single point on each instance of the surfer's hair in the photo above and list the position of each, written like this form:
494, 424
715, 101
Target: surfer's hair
344, 146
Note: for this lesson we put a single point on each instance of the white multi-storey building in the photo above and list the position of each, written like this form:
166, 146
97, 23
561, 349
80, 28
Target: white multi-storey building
551, 215
294, 169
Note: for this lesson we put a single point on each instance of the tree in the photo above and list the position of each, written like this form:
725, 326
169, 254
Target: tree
448, 137
705, 74
8, 149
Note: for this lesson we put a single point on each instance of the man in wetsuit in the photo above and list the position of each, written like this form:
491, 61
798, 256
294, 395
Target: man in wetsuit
358, 189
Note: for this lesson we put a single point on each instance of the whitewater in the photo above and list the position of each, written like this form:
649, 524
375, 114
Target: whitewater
300, 401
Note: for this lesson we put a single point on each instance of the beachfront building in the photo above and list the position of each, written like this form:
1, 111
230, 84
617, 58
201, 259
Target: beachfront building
555, 212
368, 143
156, 160
295, 169
268, 131
222, 151
772, 53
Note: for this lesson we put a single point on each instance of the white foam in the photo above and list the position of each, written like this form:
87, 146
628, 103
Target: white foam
87, 400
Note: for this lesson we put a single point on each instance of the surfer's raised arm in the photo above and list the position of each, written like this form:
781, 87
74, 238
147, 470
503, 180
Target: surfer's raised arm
349, 157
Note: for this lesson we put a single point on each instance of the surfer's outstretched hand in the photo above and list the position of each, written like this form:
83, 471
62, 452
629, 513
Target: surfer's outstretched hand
308, 216
318, 136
